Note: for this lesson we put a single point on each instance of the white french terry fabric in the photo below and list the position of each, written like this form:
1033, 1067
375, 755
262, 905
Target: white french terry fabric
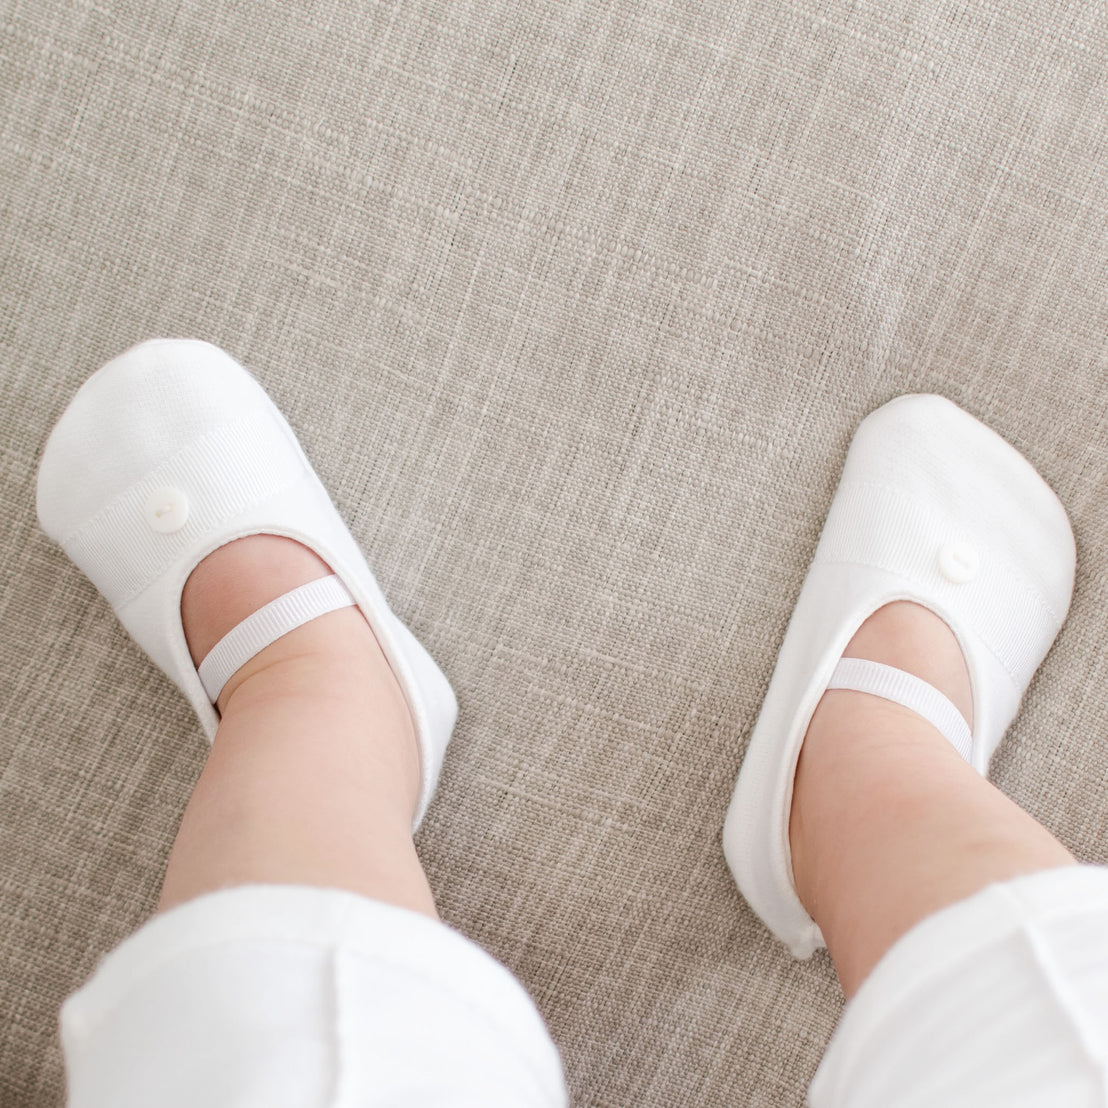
283, 996
999, 1000
295, 997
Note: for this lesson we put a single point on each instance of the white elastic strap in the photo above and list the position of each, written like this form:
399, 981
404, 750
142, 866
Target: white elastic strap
878, 679
267, 625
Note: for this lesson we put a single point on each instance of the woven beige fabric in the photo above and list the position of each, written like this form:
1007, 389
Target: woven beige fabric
575, 306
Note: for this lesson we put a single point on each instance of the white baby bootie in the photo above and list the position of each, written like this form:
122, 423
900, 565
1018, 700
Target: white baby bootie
172, 450
935, 508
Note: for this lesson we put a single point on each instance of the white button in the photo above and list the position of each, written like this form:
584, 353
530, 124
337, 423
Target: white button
167, 509
959, 562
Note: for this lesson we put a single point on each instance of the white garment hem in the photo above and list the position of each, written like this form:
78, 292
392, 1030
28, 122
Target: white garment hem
330, 989
1001, 998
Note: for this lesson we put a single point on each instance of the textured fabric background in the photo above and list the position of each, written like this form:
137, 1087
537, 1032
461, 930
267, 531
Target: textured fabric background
575, 306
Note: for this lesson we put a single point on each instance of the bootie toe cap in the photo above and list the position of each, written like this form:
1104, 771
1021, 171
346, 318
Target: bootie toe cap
934, 454
136, 412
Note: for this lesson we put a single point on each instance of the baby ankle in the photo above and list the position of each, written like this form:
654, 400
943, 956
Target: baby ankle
911, 638
238, 579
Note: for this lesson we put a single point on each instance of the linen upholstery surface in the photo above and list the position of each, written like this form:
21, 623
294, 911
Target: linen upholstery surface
575, 306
